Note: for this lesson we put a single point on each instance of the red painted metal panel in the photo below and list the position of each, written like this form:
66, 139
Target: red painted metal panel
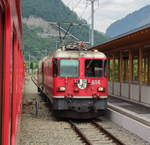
1, 66
6, 98
13, 78
52, 83
14, 99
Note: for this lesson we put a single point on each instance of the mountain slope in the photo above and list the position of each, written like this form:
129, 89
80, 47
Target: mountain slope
36, 46
55, 10
130, 22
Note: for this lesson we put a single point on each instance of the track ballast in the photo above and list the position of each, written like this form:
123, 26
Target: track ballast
92, 133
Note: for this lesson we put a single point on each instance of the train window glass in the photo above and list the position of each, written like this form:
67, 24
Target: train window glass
69, 67
55, 67
93, 68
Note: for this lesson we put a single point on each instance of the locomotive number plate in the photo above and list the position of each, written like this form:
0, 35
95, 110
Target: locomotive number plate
96, 82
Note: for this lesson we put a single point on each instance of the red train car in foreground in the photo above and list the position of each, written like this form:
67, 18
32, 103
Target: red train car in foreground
75, 82
11, 70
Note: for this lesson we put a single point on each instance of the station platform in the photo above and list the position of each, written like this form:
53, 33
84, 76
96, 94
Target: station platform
135, 111
131, 116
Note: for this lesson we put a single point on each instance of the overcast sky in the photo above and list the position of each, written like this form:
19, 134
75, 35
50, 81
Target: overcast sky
107, 11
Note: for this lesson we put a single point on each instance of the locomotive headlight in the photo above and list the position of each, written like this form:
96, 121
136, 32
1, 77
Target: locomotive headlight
100, 89
61, 89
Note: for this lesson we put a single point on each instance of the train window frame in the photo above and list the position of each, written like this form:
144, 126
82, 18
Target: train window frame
78, 67
55, 73
102, 74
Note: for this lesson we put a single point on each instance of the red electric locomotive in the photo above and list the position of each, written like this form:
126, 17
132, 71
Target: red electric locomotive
75, 82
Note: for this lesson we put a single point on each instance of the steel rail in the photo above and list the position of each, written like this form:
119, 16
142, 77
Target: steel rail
79, 133
110, 135
35, 82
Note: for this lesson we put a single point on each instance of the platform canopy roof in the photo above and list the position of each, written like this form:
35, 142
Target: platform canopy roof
132, 40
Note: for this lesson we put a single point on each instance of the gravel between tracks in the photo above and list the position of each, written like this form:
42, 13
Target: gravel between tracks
46, 130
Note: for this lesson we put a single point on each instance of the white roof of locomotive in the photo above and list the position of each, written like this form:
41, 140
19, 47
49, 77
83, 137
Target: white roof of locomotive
73, 54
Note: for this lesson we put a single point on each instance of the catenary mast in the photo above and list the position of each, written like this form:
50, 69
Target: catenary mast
92, 21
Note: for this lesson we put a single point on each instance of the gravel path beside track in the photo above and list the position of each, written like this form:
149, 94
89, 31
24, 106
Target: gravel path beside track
46, 130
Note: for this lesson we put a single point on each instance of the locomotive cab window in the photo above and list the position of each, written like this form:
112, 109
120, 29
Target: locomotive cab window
69, 67
94, 68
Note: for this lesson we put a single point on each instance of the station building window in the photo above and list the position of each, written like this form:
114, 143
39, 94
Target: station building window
116, 72
135, 70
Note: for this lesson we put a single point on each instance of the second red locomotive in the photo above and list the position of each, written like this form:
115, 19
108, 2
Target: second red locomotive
75, 82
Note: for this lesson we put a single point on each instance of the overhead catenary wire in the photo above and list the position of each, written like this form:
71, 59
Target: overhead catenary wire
69, 2
89, 18
61, 28
66, 23
77, 4
86, 9
83, 12
68, 33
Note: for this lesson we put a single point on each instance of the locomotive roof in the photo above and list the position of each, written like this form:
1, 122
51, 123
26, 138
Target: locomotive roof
83, 54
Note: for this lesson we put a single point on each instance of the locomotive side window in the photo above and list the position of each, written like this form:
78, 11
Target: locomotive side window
69, 67
94, 68
56, 67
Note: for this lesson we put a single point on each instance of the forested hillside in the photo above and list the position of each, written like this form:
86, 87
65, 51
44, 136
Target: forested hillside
55, 11
35, 45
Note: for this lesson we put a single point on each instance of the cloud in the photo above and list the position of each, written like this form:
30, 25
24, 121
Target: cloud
107, 11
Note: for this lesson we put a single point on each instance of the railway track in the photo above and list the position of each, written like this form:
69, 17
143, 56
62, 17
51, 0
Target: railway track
91, 133
94, 134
